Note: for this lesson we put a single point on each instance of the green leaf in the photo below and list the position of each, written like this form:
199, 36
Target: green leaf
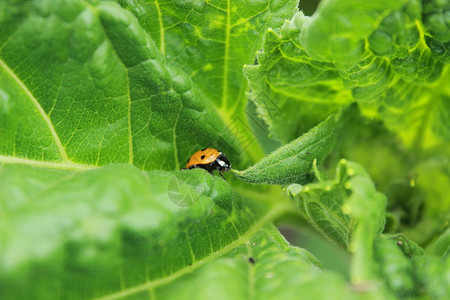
63, 236
441, 246
407, 271
276, 271
327, 36
330, 205
347, 210
369, 143
321, 205
128, 229
206, 39
350, 212
415, 185
409, 248
390, 165
102, 103
395, 268
432, 273
255, 269
85, 83
432, 181
436, 19
367, 207
291, 91
373, 53
292, 162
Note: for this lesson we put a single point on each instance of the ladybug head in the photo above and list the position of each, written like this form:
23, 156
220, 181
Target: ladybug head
223, 163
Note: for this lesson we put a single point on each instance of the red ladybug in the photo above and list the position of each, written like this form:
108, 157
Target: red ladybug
209, 159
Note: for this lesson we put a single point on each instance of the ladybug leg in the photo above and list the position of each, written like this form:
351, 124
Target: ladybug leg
209, 169
222, 176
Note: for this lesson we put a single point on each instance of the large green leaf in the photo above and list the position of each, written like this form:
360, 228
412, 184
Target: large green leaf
251, 272
170, 235
277, 271
85, 83
211, 41
83, 234
101, 104
376, 55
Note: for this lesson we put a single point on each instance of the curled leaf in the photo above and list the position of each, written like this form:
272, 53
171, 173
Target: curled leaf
292, 162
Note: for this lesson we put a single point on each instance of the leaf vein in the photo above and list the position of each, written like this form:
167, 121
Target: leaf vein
45, 117
161, 28
226, 58
69, 165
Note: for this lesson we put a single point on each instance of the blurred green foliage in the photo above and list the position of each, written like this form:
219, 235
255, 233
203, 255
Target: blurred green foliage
346, 134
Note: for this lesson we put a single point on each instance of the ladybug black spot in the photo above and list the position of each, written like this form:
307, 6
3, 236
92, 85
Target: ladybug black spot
251, 260
202, 157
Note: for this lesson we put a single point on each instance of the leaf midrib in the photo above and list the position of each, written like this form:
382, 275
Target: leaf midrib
161, 29
224, 103
62, 165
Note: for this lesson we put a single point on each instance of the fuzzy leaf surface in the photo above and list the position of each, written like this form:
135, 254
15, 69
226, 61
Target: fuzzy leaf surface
292, 162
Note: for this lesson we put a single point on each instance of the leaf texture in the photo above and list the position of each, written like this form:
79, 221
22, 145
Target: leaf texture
292, 162
377, 55
100, 92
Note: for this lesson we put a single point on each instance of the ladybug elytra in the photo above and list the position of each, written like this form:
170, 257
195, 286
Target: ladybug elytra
209, 159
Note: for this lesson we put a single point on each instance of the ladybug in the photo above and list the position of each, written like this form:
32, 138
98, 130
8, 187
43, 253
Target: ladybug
209, 159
